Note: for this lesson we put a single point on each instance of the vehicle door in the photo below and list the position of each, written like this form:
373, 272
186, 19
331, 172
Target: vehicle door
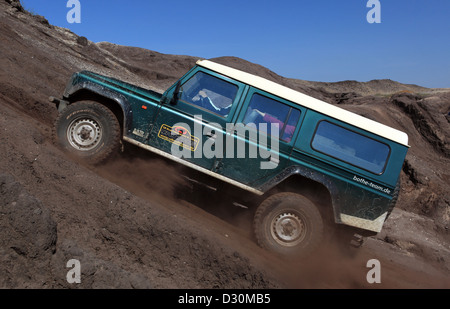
265, 130
192, 126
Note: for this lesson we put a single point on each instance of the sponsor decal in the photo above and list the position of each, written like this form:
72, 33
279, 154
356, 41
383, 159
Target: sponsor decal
371, 184
178, 135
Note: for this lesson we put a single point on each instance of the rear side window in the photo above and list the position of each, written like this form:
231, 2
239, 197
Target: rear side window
264, 111
350, 147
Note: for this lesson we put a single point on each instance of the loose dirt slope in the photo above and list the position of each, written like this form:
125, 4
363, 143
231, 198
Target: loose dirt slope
123, 220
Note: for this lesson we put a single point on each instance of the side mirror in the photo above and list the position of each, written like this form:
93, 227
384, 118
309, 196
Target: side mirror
176, 94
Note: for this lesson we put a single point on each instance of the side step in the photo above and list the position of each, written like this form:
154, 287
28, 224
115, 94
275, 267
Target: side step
200, 183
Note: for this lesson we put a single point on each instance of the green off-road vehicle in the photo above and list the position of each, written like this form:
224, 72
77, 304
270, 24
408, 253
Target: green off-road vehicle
302, 163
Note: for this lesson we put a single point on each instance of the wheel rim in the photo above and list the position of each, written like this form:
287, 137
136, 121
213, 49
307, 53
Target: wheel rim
84, 134
288, 229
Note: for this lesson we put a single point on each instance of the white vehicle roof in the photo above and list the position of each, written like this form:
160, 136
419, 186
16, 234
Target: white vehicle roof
309, 102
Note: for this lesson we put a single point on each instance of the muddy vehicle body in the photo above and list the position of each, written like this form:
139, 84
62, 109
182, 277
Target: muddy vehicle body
302, 163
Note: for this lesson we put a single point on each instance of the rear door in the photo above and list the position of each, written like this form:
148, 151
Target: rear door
263, 138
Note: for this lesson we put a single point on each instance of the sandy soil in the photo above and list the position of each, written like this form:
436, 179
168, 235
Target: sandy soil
125, 220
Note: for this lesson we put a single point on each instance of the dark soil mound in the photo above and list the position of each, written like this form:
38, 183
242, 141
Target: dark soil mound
124, 223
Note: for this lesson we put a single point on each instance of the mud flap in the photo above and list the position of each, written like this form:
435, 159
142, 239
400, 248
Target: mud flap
357, 241
60, 104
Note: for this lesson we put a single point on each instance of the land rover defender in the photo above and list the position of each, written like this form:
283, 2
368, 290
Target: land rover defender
302, 162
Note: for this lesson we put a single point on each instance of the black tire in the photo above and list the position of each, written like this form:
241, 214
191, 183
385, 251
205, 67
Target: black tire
288, 224
88, 130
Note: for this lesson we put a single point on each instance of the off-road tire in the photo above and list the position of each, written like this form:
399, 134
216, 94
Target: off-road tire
288, 224
88, 130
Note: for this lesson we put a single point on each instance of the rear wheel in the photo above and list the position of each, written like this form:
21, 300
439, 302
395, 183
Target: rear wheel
89, 130
288, 224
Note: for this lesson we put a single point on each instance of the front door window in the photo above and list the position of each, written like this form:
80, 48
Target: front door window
209, 93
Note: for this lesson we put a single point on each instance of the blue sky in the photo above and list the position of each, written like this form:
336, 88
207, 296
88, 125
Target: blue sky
319, 40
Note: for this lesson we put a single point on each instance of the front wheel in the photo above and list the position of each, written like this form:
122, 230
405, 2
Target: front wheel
89, 130
288, 224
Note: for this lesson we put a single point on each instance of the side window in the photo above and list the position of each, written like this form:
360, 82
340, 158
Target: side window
210, 93
350, 147
264, 111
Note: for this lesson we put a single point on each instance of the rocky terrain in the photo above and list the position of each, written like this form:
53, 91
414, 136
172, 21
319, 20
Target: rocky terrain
123, 221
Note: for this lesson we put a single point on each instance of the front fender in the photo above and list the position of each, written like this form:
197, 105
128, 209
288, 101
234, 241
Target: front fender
79, 84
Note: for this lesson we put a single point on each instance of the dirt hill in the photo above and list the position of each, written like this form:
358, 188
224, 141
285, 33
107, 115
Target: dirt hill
126, 225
